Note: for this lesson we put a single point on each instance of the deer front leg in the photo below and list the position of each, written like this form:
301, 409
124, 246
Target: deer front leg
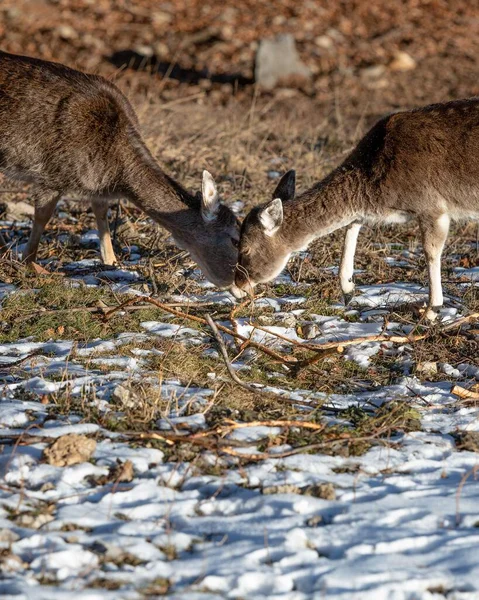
100, 209
434, 234
346, 268
45, 202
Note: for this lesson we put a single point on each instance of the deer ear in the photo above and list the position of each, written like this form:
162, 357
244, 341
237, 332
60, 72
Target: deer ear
286, 187
271, 216
210, 200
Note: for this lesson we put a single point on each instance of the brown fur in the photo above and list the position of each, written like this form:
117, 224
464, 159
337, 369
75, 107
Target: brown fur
422, 163
67, 131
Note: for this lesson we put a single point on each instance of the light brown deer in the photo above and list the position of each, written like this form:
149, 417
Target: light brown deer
422, 163
68, 132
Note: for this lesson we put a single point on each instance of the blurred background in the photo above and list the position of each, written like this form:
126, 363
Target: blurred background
370, 54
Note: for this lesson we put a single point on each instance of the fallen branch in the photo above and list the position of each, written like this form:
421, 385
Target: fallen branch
383, 337
182, 315
464, 393
109, 310
274, 423
323, 349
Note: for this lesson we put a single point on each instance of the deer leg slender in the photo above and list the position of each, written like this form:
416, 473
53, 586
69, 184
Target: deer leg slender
346, 268
45, 203
434, 234
100, 209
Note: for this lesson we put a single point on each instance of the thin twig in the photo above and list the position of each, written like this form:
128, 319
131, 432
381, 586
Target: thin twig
20, 361
109, 310
182, 315
274, 423
224, 353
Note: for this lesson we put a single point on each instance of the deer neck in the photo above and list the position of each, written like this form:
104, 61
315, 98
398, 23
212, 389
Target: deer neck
160, 196
334, 202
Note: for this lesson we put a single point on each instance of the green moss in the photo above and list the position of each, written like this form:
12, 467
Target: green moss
59, 310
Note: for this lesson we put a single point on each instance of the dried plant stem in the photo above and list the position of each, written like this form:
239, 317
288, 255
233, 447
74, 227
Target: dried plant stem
274, 423
224, 353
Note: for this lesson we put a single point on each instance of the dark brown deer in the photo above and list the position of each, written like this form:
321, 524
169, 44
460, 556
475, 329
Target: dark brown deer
422, 163
69, 132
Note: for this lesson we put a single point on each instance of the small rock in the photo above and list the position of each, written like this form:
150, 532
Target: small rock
373, 72
373, 77
310, 331
144, 50
67, 32
402, 62
278, 59
427, 368
324, 41
69, 449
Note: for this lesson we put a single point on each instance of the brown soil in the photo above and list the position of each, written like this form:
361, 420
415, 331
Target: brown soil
350, 45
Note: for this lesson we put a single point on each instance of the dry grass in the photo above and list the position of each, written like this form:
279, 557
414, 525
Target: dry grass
240, 145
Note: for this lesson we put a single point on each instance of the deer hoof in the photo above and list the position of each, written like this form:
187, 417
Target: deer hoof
431, 313
347, 297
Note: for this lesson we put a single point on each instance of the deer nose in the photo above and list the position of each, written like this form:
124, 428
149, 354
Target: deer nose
237, 292
243, 284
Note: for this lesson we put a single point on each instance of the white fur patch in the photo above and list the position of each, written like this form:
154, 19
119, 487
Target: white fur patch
393, 218
271, 216
444, 222
347, 260
210, 201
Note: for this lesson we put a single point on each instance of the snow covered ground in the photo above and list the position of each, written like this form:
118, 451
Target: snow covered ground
398, 522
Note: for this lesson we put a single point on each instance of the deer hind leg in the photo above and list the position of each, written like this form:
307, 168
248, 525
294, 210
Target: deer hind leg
45, 203
347, 261
100, 209
434, 234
